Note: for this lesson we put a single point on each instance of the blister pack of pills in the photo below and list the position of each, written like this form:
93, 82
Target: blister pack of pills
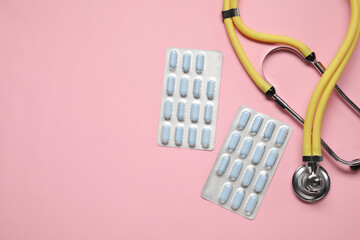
190, 97
246, 162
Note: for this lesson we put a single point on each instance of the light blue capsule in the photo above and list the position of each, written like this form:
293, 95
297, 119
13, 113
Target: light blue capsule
210, 89
235, 170
184, 85
244, 118
256, 124
224, 162
225, 193
192, 136
269, 130
186, 62
245, 149
165, 134
280, 138
194, 113
271, 158
173, 59
179, 135
239, 196
259, 152
200, 62
249, 174
205, 137
181, 111
197, 88
208, 113
260, 183
170, 85
168, 110
251, 203
234, 140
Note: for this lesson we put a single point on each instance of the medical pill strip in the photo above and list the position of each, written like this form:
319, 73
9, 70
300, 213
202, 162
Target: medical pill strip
190, 97
246, 162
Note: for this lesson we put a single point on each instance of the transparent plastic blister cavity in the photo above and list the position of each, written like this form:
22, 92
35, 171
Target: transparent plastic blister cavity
190, 96
246, 162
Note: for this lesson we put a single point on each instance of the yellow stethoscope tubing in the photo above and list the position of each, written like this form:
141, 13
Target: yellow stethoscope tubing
335, 65
265, 37
305, 51
316, 136
254, 75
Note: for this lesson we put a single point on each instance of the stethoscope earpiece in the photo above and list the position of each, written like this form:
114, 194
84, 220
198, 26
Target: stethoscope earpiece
355, 167
310, 186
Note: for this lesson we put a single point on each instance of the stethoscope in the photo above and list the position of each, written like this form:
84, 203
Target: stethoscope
310, 181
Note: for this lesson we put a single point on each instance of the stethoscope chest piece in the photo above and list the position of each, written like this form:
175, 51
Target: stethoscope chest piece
310, 187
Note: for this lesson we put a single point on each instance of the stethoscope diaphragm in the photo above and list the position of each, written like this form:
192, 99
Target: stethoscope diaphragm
311, 187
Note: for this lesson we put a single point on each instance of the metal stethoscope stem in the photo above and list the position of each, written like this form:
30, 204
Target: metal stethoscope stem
354, 164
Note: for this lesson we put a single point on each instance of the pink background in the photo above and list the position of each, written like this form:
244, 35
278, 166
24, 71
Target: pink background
80, 88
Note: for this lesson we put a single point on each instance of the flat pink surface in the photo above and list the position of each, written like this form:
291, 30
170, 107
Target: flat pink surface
80, 86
